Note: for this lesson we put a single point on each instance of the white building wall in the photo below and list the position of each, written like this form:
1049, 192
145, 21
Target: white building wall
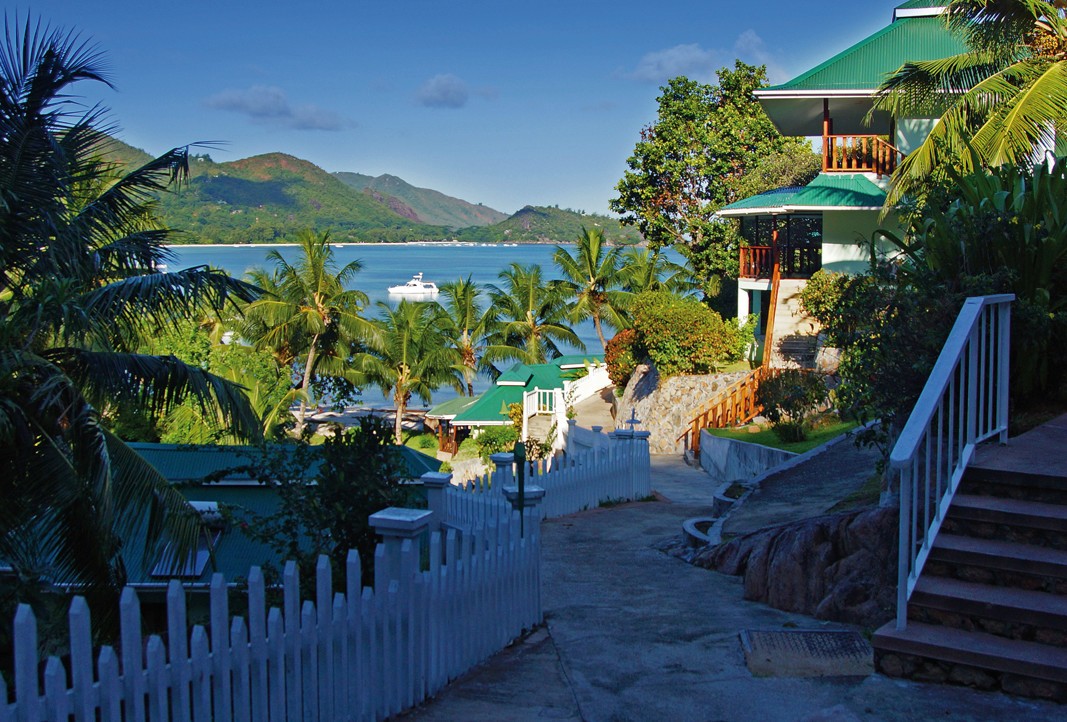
846, 239
911, 132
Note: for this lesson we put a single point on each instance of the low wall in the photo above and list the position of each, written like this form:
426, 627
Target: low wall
665, 407
729, 460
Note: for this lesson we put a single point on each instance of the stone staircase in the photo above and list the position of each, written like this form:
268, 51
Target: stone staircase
794, 333
990, 609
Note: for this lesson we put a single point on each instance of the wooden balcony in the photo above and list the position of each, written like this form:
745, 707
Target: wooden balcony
794, 261
756, 262
859, 154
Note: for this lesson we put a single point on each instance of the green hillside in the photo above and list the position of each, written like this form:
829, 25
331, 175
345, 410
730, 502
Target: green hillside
267, 198
430, 206
541, 224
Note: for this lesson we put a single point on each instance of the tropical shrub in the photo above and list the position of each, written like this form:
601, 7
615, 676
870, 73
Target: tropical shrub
680, 335
789, 398
496, 440
620, 357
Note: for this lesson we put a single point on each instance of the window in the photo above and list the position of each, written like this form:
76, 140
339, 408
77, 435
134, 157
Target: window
168, 567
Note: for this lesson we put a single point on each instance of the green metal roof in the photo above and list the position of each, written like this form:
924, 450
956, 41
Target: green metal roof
827, 192
847, 81
448, 409
491, 408
575, 360
916, 4
867, 63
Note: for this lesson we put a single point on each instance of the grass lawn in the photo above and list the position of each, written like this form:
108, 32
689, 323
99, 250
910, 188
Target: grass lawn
767, 437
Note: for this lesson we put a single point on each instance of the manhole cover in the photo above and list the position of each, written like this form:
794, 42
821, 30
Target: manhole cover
806, 654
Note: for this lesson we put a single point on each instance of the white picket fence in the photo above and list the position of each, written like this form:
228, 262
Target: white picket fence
619, 471
363, 655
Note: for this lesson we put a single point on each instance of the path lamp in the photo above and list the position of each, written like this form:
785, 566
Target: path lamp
520, 471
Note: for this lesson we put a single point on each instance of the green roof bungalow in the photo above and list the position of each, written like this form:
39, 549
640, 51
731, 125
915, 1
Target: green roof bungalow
825, 224
545, 391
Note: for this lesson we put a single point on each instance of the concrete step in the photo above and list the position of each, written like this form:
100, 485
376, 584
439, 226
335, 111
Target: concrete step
1015, 520
1001, 555
974, 649
1002, 611
1012, 484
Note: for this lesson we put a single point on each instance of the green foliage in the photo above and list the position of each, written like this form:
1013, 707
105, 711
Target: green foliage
360, 474
681, 335
78, 296
789, 398
495, 440
621, 357
531, 316
821, 297
1001, 102
698, 156
1006, 231
594, 278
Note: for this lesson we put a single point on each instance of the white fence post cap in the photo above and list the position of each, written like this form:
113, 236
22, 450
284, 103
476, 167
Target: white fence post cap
532, 497
400, 523
436, 479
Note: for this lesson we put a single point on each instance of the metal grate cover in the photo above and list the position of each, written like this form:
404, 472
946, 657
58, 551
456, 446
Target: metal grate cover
803, 653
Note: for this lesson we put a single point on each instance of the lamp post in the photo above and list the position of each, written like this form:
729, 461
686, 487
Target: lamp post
520, 471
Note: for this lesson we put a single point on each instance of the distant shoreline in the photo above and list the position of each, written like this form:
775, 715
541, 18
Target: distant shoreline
459, 244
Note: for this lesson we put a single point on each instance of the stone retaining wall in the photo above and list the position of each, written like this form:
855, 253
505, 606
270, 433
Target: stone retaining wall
666, 406
729, 460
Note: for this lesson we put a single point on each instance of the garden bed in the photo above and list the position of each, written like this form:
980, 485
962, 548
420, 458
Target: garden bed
767, 437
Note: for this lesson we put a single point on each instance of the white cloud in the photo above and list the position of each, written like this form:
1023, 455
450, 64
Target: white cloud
690, 60
443, 91
269, 105
750, 47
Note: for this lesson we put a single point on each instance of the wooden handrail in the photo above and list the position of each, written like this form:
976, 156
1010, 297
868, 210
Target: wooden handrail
756, 261
859, 154
768, 333
734, 405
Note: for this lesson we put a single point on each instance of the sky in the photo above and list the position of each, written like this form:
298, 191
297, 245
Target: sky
502, 103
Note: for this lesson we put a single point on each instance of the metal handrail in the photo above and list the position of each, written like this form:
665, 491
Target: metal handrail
964, 402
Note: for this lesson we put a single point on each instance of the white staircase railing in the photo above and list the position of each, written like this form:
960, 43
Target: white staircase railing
964, 402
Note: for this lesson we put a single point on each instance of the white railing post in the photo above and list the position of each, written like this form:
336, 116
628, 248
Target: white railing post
1003, 370
394, 525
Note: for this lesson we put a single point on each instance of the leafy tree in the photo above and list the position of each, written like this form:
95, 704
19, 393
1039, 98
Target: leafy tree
696, 158
79, 246
308, 318
469, 328
594, 278
407, 354
532, 317
1002, 101
359, 473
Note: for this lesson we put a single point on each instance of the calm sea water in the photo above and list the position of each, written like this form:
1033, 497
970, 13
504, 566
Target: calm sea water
387, 265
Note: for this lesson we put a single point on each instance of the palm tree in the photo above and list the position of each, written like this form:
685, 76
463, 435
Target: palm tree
310, 318
593, 277
1003, 101
408, 355
532, 317
645, 270
470, 326
78, 294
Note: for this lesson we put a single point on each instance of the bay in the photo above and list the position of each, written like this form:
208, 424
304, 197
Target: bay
390, 264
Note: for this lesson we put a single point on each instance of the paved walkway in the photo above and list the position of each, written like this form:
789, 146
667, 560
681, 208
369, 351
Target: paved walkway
634, 634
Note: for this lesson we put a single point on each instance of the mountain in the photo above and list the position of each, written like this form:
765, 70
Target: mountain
268, 198
549, 224
431, 206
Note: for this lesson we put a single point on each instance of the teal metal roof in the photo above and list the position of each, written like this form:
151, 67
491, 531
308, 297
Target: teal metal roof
866, 64
448, 409
918, 4
575, 360
491, 408
827, 192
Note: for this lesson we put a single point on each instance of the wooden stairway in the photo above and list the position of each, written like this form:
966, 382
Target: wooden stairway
990, 609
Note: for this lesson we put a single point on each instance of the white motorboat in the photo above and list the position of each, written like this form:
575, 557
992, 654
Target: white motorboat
415, 287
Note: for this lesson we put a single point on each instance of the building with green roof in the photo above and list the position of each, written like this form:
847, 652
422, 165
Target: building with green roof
829, 223
543, 390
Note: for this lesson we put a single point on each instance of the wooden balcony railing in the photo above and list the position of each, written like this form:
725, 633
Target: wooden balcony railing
795, 261
859, 154
756, 262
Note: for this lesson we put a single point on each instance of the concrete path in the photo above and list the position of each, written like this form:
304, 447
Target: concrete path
634, 634
806, 490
